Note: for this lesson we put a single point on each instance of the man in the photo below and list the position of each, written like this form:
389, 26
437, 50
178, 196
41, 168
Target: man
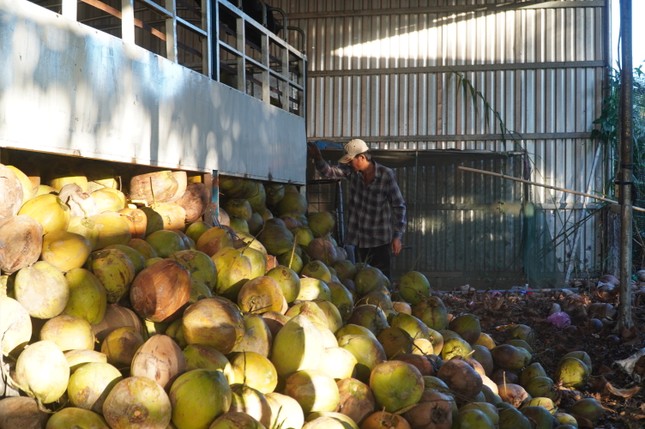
376, 208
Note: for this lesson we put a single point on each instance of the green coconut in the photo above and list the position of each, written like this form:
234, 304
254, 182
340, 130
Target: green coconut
42, 371
250, 401
338, 363
292, 203
276, 237
75, 417
321, 223
236, 420
258, 260
541, 386
396, 385
395, 341
512, 418
215, 322
369, 316
313, 390
589, 409
342, 298
285, 411
540, 416
261, 294
312, 288
90, 384
233, 270
510, 357
238, 208
65, 250
381, 298
114, 269
214, 239
254, 370
257, 335
199, 264
137, 258
137, 402
199, 396
48, 210
42, 290
121, 344
166, 242
296, 346
143, 247
534, 369
367, 350
287, 280
206, 357
414, 287
572, 372
78, 357
316, 269
473, 418
87, 295
467, 326
302, 235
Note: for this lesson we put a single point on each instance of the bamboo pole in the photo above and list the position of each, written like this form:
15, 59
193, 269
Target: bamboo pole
557, 188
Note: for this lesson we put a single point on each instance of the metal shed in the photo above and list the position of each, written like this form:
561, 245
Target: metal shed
472, 83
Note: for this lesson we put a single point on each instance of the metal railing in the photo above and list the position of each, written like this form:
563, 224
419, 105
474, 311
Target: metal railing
217, 38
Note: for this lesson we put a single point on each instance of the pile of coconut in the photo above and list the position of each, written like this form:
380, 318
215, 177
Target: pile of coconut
138, 308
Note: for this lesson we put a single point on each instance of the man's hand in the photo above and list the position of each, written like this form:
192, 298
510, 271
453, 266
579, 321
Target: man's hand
396, 246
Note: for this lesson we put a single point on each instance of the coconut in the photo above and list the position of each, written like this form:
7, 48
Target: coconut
101, 229
153, 187
11, 193
276, 237
395, 341
250, 401
42, 371
288, 281
321, 223
65, 250
368, 279
434, 410
432, 312
79, 357
166, 242
473, 419
356, 398
369, 316
540, 416
541, 386
342, 298
206, 357
322, 249
114, 269
292, 203
90, 384
285, 411
396, 385
258, 261
296, 346
261, 294
238, 208
68, 332
312, 288
316, 269
108, 200
137, 402
510, 357
77, 418
160, 290
42, 289
383, 420
87, 296
160, 359
587, 409
332, 315
49, 211
366, 349
215, 322
467, 326
198, 396
136, 220
233, 270
379, 297
28, 188
22, 412
254, 370
535, 369
121, 344
15, 325
460, 376
194, 201
414, 287
325, 421
313, 390
513, 394
214, 239
511, 418
116, 316
309, 310
22, 238
582, 355
572, 372
257, 336
135, 256
338, 363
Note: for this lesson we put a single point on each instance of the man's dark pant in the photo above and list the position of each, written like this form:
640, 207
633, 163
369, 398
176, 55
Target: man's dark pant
378, 257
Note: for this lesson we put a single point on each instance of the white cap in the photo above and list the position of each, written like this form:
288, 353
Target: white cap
353, 148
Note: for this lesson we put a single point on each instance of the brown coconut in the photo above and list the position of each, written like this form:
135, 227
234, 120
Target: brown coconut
159, 290
160, 359
356, 399
22, 239
150, 188
21, 412
194, 201
461, 377
11, 192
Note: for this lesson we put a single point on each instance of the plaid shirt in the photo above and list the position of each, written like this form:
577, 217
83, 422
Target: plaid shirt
376, 211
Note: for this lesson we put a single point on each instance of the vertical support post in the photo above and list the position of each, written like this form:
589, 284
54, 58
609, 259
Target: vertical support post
127, 21
209, 43
625, 322
172, 52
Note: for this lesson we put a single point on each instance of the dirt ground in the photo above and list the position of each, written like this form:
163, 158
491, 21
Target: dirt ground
592, 306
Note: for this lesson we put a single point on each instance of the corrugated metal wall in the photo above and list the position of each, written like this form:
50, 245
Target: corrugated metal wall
522, 76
